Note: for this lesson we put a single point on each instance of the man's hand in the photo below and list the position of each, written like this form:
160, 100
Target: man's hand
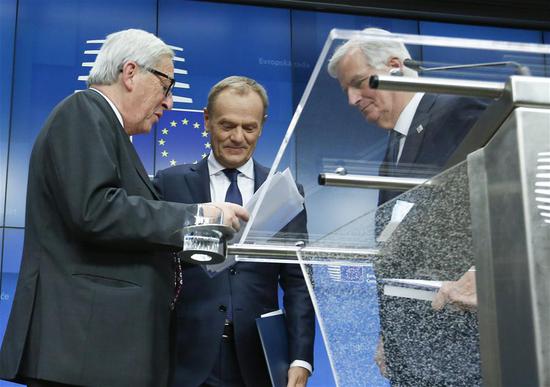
461, 294
380, 358
297, 377
231, 213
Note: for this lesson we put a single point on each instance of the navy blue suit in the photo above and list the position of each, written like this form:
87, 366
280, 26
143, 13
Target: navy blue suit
253, 288
425, 347
442, 122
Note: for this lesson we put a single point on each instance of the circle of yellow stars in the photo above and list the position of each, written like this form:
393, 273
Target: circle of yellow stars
185, 122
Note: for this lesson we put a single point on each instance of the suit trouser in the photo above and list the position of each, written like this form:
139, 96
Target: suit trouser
226, 372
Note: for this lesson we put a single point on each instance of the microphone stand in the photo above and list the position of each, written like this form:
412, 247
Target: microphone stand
415, 65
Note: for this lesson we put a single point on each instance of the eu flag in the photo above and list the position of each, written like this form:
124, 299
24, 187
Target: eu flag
181, 138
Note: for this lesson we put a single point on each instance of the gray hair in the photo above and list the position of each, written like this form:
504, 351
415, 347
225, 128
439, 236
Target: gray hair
120, 47
377, 52
242, 85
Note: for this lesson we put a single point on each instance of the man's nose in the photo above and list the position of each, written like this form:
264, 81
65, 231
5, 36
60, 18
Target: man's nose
237, 134
168, 102
354, 96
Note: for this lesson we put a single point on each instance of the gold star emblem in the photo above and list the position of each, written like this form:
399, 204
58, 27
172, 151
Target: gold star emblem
172, 162
162, 141
173, 124
185, 121
165, 131
164, 153
205, 134
207, 145
196, 125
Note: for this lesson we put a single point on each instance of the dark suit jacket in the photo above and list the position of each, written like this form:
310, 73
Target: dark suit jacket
201, 309
423, 347
92, 300
445, 120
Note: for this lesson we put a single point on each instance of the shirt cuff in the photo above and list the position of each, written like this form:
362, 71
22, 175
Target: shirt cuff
303, 364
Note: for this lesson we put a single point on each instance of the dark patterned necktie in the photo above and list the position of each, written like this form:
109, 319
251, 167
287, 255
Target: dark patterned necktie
393, 146
233, 194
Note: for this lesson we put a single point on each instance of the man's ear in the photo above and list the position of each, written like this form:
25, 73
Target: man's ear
128, 73
206, 119
395, 63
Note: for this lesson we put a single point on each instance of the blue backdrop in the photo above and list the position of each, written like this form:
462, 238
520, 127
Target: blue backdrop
44, 46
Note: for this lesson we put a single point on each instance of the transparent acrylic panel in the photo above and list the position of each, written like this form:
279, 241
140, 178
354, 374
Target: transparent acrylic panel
334, 130
364, 302
375, 260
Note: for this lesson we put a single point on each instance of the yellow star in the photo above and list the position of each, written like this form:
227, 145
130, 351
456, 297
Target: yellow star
164, 131
185, 121
207, 145
205, 134
172, 162
173, 124
196, 125
162, 141
164, 153
204, 155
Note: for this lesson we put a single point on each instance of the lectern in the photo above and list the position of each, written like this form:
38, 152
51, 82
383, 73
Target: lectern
371, 271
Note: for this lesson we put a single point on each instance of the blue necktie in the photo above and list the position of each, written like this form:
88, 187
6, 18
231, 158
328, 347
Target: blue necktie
233, 194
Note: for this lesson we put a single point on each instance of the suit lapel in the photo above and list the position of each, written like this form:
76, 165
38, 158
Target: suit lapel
131, 151
198, 182
260, 175
416, 133
141, 169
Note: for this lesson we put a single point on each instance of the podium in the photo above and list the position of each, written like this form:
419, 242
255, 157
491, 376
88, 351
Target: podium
487, 205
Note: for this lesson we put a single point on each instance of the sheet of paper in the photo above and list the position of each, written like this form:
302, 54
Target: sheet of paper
282, 202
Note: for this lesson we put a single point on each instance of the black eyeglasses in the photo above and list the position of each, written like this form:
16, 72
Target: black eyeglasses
167, 89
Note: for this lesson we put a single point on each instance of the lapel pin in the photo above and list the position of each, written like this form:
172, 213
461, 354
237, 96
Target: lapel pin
419, 128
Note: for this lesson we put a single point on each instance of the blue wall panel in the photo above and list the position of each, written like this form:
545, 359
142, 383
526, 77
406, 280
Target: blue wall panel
441, 56
50, 43
220, 40
7, 40
13, 246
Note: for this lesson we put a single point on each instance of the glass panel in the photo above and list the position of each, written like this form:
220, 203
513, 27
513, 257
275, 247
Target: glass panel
335, 127
359, 300
375, 260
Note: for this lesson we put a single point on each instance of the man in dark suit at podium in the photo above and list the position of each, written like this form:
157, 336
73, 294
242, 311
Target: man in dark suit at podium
424, 130
217, 340
93, 297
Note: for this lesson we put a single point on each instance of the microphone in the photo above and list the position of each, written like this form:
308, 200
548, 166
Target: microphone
417, 66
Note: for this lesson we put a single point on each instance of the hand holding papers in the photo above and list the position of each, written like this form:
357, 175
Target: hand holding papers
280, 203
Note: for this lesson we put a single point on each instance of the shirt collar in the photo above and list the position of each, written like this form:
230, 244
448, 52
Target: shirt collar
214, 167
405, 118
117, 113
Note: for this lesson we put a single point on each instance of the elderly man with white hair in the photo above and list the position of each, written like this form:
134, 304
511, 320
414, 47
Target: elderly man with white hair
94, 298
424, 130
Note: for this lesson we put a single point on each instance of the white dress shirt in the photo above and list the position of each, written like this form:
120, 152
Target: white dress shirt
219, 183
405, 119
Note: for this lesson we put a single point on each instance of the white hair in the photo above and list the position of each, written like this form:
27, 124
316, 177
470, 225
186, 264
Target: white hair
377, 52
120, 47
